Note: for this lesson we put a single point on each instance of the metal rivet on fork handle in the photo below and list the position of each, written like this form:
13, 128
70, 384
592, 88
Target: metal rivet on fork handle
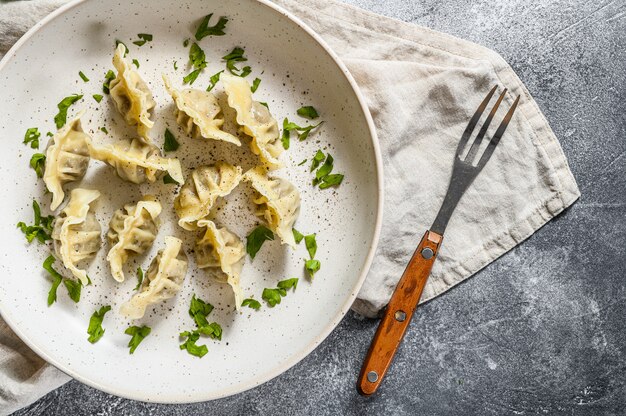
427, 253
372, 376
400, 316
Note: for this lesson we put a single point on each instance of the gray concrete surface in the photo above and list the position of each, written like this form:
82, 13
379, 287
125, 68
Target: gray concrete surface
540, 331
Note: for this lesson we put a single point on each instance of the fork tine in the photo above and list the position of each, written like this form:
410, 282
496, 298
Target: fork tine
479, 137
473, 121
497, 136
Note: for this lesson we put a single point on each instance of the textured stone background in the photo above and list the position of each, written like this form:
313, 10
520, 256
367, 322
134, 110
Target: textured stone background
540, 331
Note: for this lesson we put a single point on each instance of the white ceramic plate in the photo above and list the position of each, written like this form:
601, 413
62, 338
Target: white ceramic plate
296, 69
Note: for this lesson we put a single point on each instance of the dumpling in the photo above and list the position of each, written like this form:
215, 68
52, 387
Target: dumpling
67, 159
131, 230
277, 200
199, 113
136, 161
202, 188
162, 281
255, 120
222, 250
76, 232
131, 94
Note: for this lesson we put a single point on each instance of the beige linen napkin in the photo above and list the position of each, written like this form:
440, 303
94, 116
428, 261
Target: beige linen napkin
421, 87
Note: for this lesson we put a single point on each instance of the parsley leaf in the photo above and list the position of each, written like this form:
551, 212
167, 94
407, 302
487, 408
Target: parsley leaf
212, 330
197, 56
317, 159
138, 334
191, 77
170, 144
264, 105
205, 30
190, 344
118, 43
61, 118
83, 76
41, 230
186, 43
214, 79
97, 97
303, 132
49, 134
32, 136
251, 303
297, 235
256, 238
139, 278
108, 77
311, 245
136, 63
167, 179
312, 266
73, 289
56, 279
308, 112
255, 84
38, 162
104, 130
323, 176
199, 310
145, 37
302, 163
175, 66
288, 283
326, 168
331, 180
271, 296
95, 329
236, 55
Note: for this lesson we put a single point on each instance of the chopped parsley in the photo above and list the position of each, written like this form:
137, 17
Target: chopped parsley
205, 30
175, 66
83, 76
108, 77
138, 333
97, 97
139, 278
312, 266
212, 330
331, 180
190, 344
302, 163
323, 178
73, 289
95, 329
317, 159
197, 58
32, 136
297, 235
303, 132
214, 79
136, 63
186, 43
273, 296
308, 112
311, 245
38, 162
256, 238
192, 76
49, 134
104, 130
199, 310
61, 118
251, 303
56, 279
118, 43
41, 229
264, 105
170, 144
167, 179
144, 37
236, 55
255, 84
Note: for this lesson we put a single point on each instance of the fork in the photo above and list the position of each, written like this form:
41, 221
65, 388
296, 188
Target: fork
405, 298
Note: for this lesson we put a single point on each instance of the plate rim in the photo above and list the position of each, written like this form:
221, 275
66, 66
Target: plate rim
345, 307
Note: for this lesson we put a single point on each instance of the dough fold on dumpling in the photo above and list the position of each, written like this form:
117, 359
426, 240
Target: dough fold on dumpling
67, 159
131, 94
162, 281
76, 232
277, 200
202, 188
132, 230
255, 121
199, 113
136, 161
221, 250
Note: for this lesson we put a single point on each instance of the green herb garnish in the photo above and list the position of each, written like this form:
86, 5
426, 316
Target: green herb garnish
83, 76
167, 179
326, 168
331, 180
190, 344
138, 334
256, 238
308, 112
205, 30
214, 79
273, 296
236, 55
312, 266
212, 330
73, 289
197, 56
95, 329
297, 235
264, 105
104, 130
323, 176
199, 310
38, 162
61, 118
288, 284
311, 245
56, 279
191, 77
139, 278
42, 228
175, 66
32, 136
118, 43
251, 303
255, 84
108, 77
303, 132
170, 144
317, 159
302, 163
97, 97
145, 37
186, 43
136, 63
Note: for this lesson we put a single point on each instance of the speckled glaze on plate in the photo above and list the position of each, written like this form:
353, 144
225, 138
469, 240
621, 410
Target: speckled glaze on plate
296, 68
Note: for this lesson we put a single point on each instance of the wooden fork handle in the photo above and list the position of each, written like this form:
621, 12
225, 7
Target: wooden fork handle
398, 314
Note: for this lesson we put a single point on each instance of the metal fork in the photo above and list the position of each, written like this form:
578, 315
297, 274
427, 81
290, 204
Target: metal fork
405, 298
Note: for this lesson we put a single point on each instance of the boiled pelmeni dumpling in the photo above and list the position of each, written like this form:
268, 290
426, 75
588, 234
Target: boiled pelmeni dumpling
255, 121
223, 251
136, 161
199, 113
202, 188
162, 281
131, 94
76, 232
277, 200
132, 231
67, 159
